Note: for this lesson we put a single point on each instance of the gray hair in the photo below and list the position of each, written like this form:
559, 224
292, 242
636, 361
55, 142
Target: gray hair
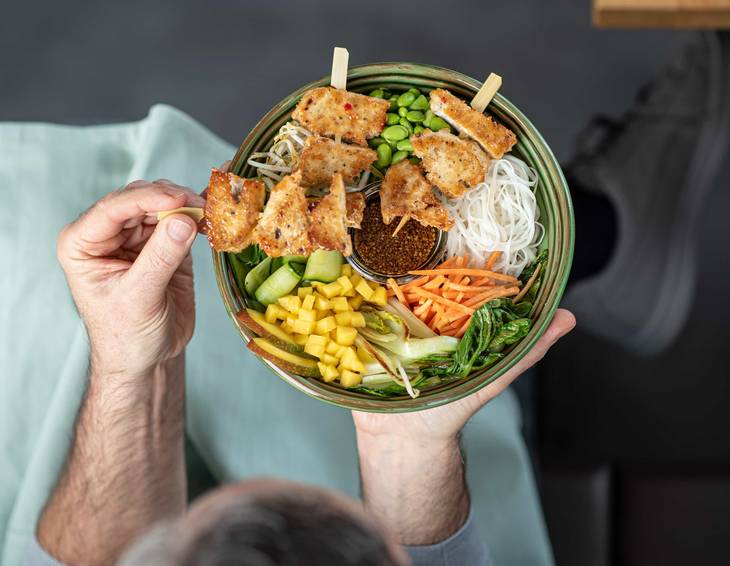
275, 530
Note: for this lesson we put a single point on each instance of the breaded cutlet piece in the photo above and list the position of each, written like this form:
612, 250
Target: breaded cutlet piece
406, 192
355, 203
453, 164
328, 220
495, 138
231, 210
283, 227
322, 157
336, 113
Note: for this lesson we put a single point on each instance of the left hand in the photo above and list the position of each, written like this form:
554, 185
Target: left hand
445, 422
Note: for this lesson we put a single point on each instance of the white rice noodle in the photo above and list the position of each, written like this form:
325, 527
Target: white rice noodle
499, 214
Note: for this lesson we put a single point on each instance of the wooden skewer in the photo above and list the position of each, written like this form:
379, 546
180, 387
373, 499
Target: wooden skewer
338, 78
403, 222
485, 95
193, 212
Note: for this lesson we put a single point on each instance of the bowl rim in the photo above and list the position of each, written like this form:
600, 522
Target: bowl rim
460, 388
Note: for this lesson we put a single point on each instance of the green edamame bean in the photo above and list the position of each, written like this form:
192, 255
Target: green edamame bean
421, 103
398, 156
406, 99
393, 103
392, 118
384, 155
377, 93
418, 130
437, 124
375, 142
394, 133
415, 116
402, 111
414, 90
393, 146
427, 119
407, 125
404, 145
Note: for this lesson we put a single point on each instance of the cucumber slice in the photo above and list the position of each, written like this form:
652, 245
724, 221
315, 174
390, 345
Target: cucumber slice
324, 266
295, 259
257, 276
280, 283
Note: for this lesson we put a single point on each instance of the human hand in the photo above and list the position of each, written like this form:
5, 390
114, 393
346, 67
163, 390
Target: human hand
445, 422
131, 277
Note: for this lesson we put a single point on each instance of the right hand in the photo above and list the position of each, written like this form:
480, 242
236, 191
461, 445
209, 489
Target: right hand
131, 277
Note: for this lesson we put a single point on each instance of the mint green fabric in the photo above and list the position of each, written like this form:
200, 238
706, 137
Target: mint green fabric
242, 419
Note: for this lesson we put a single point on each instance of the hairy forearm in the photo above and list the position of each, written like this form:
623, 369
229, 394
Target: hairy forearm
417, 489
125, 469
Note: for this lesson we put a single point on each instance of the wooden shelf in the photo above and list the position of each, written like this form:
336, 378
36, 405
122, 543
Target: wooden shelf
661, 13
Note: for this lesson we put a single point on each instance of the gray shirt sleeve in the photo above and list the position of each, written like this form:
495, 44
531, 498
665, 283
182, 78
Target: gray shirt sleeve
465, 546
36, 555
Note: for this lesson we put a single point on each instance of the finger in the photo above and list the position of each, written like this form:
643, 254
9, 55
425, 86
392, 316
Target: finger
563, 322
163, 253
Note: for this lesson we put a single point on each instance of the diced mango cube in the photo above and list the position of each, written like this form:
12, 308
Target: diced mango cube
316, 350
344, 318
364, 355
307, 314
274, 312
340, 304
346, 269
355, 279
304, 292
330, 290
308, 301
290, 320
301, 339
364, 289
340, 351
303, 326
318, 339
292, 303
379, 297
325, 325
357, 320
345, 336
355, 302
351, 361
332, 347
321, 303
330, 359
328, 372
345, 283
350, 379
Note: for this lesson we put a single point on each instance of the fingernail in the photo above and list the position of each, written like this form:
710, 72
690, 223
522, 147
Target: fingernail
179, 230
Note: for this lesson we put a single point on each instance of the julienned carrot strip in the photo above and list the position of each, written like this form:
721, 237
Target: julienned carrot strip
462, 330
396, 290
479, 300
448, 263
435, 283
423, 309
439, 299
492, 260
466, 271
467, 288
415, 283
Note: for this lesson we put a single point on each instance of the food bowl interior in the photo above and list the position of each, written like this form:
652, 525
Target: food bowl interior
553, 198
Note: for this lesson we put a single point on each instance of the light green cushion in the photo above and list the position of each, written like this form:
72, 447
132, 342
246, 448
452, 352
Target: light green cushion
242, 419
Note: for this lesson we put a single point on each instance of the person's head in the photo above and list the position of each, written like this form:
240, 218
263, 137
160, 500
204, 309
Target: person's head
268, 522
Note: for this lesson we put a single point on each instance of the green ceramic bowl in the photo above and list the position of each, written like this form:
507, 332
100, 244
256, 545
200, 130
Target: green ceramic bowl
553, 197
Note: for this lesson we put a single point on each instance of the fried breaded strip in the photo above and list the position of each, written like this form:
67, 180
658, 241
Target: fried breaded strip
328, 225
283, 227
335, 113
406, 192
355, 209
322, 157
453, 164
492, 136
231, 210
355, 205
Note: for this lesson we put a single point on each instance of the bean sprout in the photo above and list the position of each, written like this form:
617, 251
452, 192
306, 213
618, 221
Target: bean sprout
498, 214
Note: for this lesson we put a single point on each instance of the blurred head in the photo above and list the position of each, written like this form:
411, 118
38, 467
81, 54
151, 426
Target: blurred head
268, 522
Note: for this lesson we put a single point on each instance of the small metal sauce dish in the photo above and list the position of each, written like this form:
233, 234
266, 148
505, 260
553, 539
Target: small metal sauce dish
371, 192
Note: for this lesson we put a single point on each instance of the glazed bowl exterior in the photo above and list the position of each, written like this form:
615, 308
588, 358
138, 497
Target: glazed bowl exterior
556, 215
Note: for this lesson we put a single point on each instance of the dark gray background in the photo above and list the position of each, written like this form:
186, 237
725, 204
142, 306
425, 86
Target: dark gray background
610, 418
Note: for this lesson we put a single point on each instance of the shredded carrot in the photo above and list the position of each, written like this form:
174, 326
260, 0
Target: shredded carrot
397, 292
415, 283
492, 260
440, 299
435, 283
466, 271
423, 309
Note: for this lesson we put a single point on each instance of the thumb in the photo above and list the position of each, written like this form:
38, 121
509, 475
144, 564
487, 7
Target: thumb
163, 253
